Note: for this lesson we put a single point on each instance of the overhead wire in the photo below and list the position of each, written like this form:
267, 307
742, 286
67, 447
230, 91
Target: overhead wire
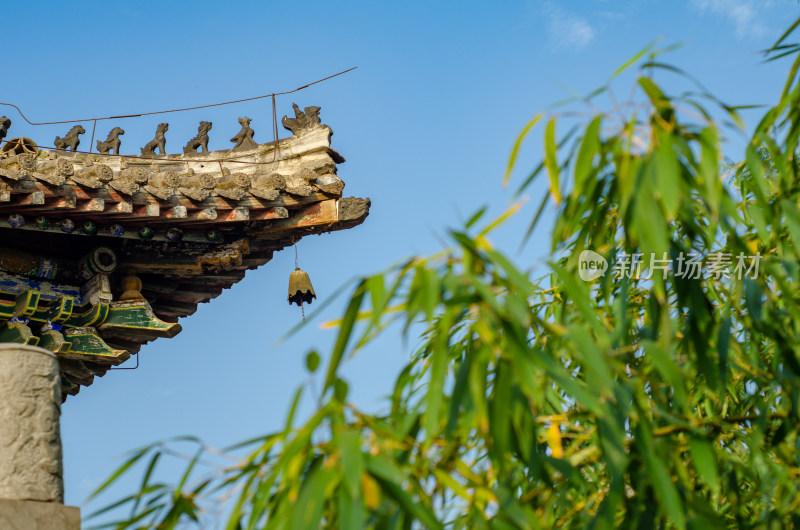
181, 109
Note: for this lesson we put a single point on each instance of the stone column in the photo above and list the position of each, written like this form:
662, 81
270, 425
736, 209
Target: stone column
31, 481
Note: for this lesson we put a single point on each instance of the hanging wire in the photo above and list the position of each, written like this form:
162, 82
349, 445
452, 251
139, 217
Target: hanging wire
91, 143
128, 367
275, 129
272, 95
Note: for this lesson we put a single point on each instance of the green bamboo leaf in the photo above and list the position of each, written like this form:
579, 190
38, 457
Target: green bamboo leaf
563, 141
306, 513
550, 158
438, 372
792, 215
756, 167
500, 418
513, 515
351, 510
756, 215
340, 390
377, 291
784, 51
390, 479
668, 499
657, 98
135, 457
723, 345
432, 294
312, 361
784, 35
753, 299
292, 411
598, 369
579, 295
474, 218
515, 150
573, 387
577, 96
447, 480
529, 179
667, 173
612, 441
128, 499
131, 523
502, 218
457, 396
525, 374
790, 79
651, 225
535, 221
590, 148
189, 469
633, 59
345, 330
709, 168
145, 480
669, 370
520, 282
703, 460
351, 461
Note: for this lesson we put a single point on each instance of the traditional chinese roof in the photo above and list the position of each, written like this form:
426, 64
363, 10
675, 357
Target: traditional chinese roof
101, 253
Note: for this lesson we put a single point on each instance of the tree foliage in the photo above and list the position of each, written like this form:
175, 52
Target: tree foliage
635, 401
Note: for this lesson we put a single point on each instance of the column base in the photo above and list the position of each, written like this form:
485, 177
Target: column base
37, 515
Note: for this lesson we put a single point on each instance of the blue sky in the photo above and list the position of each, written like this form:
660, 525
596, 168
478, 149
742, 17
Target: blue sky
426, 124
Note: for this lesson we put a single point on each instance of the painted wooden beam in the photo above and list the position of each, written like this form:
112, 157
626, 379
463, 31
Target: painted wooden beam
128, 211
117, 209
28, 199
321, 213
85, 343
180, 214
54, 341
136, 319
26, 303
16, 331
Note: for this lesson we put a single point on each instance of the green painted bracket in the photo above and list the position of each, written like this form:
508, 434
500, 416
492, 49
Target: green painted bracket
17, 332
86, 345
54, 341
137, 318
7, 309
96, 315
25, 303
56, 311
60, 309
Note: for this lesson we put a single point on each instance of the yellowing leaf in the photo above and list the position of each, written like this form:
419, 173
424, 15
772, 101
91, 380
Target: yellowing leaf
372, 492
554, 440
